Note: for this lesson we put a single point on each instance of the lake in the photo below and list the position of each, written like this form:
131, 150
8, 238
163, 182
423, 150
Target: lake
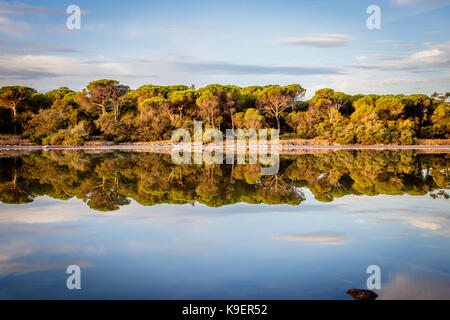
141, 227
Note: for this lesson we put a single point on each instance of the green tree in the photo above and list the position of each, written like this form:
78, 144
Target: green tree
341, 101
250, 119
155, 120
209, 107
147, 92
388, 108
274, 100
104, 94
441, 121
322, 103
181, 99
40, 101
14, 97
303, 123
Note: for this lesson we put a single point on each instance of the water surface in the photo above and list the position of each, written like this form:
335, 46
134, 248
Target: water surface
141, 227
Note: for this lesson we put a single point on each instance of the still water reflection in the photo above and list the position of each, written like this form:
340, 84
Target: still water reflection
141, 227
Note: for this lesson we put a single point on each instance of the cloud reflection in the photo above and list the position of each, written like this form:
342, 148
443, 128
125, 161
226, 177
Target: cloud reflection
318, 237
414, 287
24, 256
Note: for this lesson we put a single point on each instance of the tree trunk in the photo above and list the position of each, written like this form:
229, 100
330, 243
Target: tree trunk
116, 182
232, 171
232, 120
278, 123
14, 181
14, 115
103, 108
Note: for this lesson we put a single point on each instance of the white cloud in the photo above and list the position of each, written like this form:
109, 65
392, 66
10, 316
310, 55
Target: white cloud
326, 40
434, 32
385, 57
20, 8
17, 8
14, 28
30, 66
435, 58
14, 46
403, 45
380, 84
36, 69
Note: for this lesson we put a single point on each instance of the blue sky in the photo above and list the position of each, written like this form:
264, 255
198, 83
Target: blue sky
314, 43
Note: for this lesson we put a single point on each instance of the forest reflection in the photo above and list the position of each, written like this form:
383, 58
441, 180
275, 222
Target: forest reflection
107, 181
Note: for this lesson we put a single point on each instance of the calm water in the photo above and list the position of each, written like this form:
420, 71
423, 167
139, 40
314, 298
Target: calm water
141, 227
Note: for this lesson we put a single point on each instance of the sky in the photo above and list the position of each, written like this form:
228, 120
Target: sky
316, 44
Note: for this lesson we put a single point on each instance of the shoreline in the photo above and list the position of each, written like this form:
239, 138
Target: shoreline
168, 147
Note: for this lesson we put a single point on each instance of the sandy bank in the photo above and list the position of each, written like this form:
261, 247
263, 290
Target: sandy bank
167, 147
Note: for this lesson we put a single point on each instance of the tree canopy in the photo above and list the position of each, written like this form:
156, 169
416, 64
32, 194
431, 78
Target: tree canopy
109, 110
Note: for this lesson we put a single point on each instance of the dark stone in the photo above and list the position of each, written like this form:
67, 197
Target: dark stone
360, 294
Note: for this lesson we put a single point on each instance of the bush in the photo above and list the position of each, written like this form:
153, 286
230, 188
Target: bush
44, 124
347, 135
118, 131
72, 136
304, 123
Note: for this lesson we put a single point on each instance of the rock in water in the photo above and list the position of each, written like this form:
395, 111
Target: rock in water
360, 294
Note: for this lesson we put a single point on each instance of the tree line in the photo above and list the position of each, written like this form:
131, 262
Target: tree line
107, 181
109, 110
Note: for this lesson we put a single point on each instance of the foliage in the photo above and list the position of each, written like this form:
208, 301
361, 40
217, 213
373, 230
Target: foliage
250, 119
111, 111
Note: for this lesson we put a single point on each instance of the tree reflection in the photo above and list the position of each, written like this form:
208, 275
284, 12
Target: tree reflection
275, 190
107, 181
14, 192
